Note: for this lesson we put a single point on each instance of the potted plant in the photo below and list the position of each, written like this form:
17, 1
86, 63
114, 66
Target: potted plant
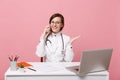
22, 67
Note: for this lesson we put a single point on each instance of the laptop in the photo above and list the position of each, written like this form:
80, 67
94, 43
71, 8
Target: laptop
93, 61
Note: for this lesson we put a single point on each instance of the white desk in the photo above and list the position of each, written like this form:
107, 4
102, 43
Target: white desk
53, 71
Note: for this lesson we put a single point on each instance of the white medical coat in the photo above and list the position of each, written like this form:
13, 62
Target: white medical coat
53, 50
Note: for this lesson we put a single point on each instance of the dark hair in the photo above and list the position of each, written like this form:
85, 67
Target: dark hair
57, 15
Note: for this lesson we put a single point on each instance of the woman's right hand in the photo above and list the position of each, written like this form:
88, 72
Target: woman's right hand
45, 32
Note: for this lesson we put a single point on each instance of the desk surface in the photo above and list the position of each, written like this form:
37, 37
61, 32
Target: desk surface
48, 68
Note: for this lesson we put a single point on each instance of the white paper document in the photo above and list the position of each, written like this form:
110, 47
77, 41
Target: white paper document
47, 68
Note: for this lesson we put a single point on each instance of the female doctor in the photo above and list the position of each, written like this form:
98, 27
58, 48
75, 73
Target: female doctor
55, 46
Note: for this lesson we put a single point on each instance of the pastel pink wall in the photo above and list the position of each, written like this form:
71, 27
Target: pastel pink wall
22, 22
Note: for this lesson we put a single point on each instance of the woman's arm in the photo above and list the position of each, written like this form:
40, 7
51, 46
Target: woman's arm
41, 46
40, 49
69, 54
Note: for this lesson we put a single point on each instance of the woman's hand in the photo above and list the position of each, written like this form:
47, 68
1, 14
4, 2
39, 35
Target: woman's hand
73, 39
45, 32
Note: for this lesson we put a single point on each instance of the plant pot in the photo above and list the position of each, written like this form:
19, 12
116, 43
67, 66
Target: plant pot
22, 69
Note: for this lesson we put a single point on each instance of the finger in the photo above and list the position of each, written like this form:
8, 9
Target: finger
47, 28
76, 37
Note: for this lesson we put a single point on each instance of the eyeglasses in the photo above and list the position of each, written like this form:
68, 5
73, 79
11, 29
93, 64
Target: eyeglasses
52, 22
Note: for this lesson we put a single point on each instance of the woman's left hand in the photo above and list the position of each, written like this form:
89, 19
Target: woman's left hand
73, 39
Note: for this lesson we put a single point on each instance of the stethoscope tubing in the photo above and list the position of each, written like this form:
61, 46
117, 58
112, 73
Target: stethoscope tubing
61, 39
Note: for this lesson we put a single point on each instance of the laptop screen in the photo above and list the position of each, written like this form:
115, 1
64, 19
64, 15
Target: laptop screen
95, 60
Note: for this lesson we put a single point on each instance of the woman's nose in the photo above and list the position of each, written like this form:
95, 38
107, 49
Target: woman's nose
54, 24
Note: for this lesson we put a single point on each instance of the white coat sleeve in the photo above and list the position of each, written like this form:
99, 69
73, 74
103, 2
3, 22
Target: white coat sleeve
69, 54
40, 51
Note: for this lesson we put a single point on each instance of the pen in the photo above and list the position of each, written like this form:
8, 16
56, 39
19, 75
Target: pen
32, 69
10, 59
16, 58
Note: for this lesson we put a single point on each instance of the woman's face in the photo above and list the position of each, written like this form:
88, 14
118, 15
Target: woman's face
56, 24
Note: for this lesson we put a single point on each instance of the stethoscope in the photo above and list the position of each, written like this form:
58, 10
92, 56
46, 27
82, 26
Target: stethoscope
47, 40
63, 48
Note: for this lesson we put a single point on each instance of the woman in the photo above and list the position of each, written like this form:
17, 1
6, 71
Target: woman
55, 46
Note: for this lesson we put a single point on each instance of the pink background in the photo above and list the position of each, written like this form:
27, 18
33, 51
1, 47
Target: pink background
22, 22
